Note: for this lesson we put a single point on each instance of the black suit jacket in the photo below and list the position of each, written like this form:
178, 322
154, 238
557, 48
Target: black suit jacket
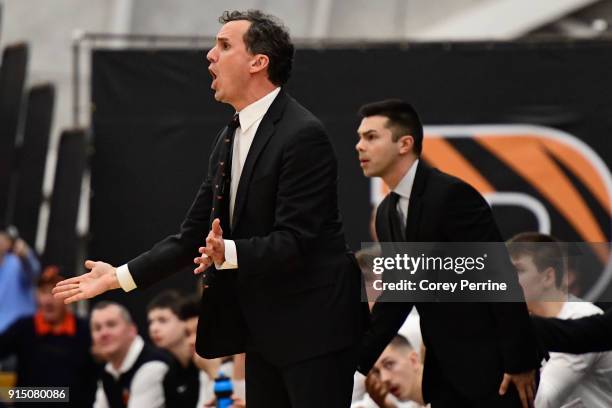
469, 345
296, 293
585, 335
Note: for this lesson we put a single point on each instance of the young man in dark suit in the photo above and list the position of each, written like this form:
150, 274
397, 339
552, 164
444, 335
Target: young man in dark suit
283, 287
474, 351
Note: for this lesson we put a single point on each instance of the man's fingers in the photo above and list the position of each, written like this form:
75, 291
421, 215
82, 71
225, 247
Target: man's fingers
504, 385
212, 246
203, 266
530, 395
64, 291
64, 288
61, 295
201, 259
216, 227
523, 396
90, 264
68, 281
208, 251
75, 298
70, 293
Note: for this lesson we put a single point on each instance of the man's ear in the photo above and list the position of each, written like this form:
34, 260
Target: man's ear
414, 357
550, 279
406, 144
259, 63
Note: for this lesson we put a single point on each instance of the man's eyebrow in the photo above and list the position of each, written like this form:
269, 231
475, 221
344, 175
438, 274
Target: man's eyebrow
367, 132
220, 39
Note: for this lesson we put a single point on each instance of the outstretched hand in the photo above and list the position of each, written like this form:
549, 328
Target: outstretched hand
103, 277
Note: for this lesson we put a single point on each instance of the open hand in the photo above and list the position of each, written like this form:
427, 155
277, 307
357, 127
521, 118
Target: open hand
103, 277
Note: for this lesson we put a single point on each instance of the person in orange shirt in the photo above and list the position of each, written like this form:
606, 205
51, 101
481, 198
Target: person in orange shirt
53, 346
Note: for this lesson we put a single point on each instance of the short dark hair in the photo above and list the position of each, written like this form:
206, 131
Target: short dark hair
266, 35
125, 314
168, 299
545, 250
190, 307
401, 342
402, 119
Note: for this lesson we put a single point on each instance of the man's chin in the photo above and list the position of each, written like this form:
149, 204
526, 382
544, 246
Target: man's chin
400, 395
369, 173
106, 354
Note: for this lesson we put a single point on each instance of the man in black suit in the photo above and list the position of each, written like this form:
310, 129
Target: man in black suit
283, 286
471, 348
585, 335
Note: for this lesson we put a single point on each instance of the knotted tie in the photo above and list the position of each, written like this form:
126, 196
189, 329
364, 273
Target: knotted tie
397, 223
223, 179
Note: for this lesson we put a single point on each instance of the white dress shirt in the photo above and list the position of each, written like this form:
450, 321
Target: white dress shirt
574, 380
250, 118
404, 190
146, 389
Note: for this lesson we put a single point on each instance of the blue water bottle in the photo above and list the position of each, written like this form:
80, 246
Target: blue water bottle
223, 391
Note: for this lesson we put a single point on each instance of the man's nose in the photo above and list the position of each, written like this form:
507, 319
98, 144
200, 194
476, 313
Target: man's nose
210, 56
359, 146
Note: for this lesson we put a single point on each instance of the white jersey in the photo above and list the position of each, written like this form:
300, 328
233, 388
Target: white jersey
576, 380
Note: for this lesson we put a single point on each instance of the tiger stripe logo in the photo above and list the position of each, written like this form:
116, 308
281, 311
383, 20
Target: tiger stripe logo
544, 174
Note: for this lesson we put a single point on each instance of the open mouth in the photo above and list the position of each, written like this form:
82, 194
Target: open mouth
395, 391
212, 74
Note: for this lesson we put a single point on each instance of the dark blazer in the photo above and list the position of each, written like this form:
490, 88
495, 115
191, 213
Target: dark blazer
469, 345
296, 293
585, 335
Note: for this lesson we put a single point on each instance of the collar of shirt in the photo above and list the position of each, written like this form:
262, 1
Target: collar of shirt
67, 327
255, 111
129, 360
404, 187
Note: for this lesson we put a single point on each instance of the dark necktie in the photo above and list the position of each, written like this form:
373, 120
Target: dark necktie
396, 221
223, 179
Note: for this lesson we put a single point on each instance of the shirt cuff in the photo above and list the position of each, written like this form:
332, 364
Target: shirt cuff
231, 257
125, 278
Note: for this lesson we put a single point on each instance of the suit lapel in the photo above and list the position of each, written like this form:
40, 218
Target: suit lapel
264, 132
415, 206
